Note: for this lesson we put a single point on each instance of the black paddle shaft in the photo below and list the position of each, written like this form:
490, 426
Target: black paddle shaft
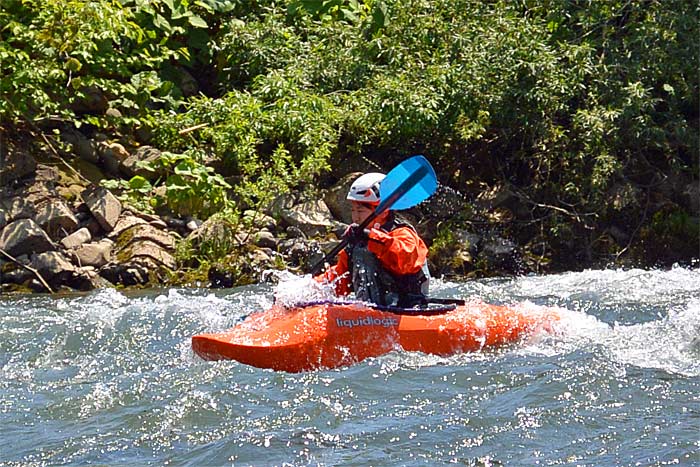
401, 190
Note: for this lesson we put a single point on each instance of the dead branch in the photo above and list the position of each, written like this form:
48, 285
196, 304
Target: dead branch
32, 270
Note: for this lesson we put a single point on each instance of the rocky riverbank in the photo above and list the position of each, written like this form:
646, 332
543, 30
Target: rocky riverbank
61, 230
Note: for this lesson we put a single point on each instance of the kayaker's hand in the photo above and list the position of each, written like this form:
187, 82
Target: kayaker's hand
355, 234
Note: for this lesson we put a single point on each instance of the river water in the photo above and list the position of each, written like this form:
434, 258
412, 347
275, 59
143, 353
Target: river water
109, 378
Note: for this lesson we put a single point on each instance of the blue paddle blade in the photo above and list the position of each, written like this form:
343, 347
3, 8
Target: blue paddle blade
420, 191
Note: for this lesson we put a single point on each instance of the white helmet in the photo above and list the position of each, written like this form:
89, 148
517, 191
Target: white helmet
366, 188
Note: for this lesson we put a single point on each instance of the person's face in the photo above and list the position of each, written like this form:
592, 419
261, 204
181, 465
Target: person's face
360, 211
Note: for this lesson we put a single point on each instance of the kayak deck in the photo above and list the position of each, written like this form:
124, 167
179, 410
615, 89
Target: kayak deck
330, 335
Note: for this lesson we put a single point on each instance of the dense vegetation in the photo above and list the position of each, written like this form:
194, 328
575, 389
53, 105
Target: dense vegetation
586, 113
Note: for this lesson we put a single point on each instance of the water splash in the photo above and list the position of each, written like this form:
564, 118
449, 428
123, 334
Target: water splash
671, 343
292, 290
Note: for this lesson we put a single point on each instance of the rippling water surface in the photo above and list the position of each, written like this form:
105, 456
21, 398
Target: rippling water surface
109, 378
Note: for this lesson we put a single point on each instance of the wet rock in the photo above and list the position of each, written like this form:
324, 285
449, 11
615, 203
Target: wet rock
336, 198
138, 263
259, 220
53, 266
24, 236
103, 206
142, 255
56, 218
16, 275
312, 217
3, 218
125, 223
294, 232
193, 224
220, 278
95, 254
265, 239
127, 275
244, 268
86, 278
112, 156
77, 238
146, 232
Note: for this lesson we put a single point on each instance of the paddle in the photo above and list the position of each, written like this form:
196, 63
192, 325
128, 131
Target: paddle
409, 183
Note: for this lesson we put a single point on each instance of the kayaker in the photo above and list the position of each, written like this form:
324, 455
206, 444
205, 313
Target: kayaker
386, 264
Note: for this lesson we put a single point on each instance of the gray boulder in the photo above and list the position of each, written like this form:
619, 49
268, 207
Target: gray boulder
264, 238
336, 198
24, 236
77, 238
147, 252
215, 231
112, 156
312, 217
143, 254
104, 206
53, 266
139, 263
259, 220
125, 223
146, 232
55, 218
95, 254
18, 208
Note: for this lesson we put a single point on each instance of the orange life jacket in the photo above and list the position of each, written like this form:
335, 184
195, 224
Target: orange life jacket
400, 251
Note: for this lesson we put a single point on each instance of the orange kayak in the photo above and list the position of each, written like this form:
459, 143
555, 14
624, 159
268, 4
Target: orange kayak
334, 334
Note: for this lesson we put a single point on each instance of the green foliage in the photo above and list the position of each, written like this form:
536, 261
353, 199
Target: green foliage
566, 101
74, 59
136, 192
240, 124
191, 187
